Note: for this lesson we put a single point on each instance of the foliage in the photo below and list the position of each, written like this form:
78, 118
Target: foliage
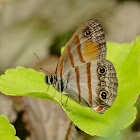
7, 131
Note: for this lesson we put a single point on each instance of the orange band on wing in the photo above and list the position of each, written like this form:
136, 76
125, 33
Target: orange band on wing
91, 51
79, 49
61, 69
78, 83
71, 57
89, 82
100, 108
60, 62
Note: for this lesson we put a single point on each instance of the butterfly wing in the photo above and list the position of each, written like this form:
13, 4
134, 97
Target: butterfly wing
87, 44
82, 71
92, 86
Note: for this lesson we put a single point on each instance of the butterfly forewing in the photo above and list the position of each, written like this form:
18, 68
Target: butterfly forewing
82, 47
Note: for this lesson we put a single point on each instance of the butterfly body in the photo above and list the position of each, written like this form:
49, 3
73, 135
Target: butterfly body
82, 71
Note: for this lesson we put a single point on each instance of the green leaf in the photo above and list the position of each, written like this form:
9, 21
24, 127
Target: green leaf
126, 59
7, 131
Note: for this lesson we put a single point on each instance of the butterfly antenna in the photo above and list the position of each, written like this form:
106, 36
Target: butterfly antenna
44, 70
41, 63
38, 57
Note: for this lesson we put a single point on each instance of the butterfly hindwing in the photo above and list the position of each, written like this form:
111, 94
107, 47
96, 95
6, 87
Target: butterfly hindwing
89, 84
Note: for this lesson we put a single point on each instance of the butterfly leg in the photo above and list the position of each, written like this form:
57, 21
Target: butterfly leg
61, 99
48, 88
67, 101
55, 90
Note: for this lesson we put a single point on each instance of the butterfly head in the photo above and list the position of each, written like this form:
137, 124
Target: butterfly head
50, 79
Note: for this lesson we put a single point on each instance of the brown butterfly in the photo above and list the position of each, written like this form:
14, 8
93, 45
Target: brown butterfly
82, 70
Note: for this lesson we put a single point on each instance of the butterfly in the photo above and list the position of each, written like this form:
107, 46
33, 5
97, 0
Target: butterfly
82, 70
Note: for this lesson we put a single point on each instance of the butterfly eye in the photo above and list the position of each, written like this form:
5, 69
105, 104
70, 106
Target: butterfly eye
103, 95
88, 32
102, 70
